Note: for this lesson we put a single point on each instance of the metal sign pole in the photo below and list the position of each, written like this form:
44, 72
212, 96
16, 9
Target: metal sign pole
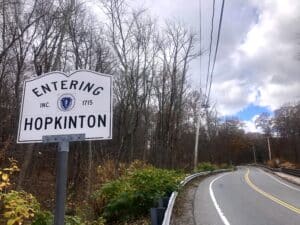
62, 171
61, 182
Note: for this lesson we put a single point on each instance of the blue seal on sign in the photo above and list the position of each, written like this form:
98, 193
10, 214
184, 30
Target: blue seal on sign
66, 102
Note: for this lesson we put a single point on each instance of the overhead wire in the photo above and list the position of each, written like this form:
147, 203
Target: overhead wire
200, 46
210, 70
210, 46
216, 50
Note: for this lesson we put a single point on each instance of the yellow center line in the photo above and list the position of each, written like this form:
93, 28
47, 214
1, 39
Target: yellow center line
269, 196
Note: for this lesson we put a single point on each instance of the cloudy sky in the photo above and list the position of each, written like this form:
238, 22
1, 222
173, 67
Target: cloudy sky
258, 63
258, 66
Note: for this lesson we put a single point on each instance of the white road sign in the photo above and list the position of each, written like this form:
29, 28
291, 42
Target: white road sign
60, 104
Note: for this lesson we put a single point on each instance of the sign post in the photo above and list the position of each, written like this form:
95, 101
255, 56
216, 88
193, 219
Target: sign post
60, 108
62, 171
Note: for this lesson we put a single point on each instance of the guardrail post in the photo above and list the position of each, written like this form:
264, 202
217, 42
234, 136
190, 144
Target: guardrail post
163, 202
157, 215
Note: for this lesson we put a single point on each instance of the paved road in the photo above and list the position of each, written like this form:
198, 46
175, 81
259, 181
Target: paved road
248, 196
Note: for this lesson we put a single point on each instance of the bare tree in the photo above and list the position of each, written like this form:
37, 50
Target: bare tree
176, 51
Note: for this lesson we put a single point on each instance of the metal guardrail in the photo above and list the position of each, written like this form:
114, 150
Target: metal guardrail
267, 167
294, 172
169, 210
168, 213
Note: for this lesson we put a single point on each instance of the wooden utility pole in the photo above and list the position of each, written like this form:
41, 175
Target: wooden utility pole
254, 154
197, 142
269, 148
199, 115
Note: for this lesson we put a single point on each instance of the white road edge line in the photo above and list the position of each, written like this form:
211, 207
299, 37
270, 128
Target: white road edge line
291, 187
213, 198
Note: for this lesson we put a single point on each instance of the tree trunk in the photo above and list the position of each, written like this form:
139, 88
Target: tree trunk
25, 165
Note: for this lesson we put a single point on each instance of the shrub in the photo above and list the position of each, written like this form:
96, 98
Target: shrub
137, 165
134, 194
272, 163
108, 171
46, 218
43, 218
288, 165
99, 221
19, 207
225, 166
5, 175
73, 220
206, 166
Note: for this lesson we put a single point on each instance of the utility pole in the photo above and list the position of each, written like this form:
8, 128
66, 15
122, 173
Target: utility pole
199, 115
254, 154
269, 148
196, 143
203, 106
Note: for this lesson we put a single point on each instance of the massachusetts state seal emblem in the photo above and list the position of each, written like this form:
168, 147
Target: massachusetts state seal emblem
66, 102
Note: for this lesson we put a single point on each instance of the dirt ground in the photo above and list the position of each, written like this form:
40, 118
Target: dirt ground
183, 211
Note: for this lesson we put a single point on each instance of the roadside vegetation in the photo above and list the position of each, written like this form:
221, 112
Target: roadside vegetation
207, 166
126, 199
281, 163
117, 201
133, 194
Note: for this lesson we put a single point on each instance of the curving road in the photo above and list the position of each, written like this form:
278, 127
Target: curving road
248, 196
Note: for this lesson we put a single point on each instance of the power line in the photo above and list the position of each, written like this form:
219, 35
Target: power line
210, 46
209, 74
200, 45
216, 50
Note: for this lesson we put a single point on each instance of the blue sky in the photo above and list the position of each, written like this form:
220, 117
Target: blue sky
250, 111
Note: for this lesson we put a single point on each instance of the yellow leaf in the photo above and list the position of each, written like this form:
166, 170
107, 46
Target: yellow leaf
16, 168
5, 177
13, 221
8, 214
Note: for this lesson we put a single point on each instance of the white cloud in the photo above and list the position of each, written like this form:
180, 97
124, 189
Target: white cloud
235, 96
263, 61
250, 125
257, 60
279, 94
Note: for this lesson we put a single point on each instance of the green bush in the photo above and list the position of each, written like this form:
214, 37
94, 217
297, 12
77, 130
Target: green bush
46, 218
225, 166
43, 218
99, 221
135, 193
73, 220
206, 166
